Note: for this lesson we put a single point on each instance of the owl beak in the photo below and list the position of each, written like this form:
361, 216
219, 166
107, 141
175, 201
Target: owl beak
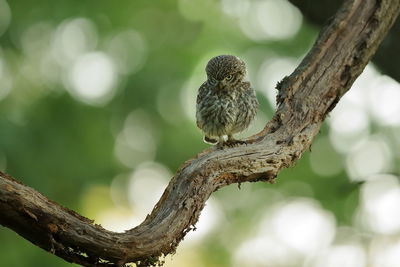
220, 85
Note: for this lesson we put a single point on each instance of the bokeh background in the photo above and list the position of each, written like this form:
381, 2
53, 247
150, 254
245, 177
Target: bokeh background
97, 104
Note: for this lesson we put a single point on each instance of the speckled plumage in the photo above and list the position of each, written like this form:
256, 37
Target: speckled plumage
226, 102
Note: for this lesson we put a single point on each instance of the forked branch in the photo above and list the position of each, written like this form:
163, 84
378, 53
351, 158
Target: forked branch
305, 97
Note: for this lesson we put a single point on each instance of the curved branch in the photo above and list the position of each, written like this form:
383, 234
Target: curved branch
305, 97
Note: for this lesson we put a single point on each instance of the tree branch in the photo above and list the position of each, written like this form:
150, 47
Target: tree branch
305, 97
386, 56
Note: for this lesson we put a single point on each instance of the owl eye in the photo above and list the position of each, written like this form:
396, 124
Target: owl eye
229, 77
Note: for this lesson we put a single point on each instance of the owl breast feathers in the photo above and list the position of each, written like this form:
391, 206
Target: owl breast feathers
226, 102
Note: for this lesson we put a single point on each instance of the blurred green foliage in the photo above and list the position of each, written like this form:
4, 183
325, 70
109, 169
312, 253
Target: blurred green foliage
64, 145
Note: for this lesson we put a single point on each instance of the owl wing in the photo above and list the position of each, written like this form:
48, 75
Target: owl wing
202, 92
201, 95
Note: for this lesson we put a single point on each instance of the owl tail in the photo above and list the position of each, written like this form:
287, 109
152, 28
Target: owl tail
210, 140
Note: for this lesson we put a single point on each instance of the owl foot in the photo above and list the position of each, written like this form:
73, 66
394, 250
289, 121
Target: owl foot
233, 142
220, 146
229, 143
221, 142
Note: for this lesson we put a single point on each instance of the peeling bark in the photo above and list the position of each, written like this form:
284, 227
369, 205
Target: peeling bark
305, 97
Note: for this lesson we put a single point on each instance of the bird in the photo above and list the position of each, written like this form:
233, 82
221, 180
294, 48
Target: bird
226, 102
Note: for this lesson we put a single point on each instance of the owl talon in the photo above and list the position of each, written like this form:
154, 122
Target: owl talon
220, 145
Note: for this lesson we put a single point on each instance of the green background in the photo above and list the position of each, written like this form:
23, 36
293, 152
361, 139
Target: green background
108, 154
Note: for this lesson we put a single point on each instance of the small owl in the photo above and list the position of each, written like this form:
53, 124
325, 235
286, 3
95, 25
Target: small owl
226, 102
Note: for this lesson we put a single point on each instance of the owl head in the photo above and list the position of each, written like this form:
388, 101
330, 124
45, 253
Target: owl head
225, 70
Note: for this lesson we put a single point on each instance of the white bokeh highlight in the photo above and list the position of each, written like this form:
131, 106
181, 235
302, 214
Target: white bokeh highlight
209, 220
384, 101
385, 252
380, 199
137, 141
370, 157
236, 8
349, 121
268, 20
289, 233
72, 38
304, 226
146, 186
263, 251
346, 255
92, 78
129, 51
272, 70
349, 125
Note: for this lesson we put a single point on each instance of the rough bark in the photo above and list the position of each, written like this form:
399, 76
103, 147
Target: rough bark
305, 97
386, 57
